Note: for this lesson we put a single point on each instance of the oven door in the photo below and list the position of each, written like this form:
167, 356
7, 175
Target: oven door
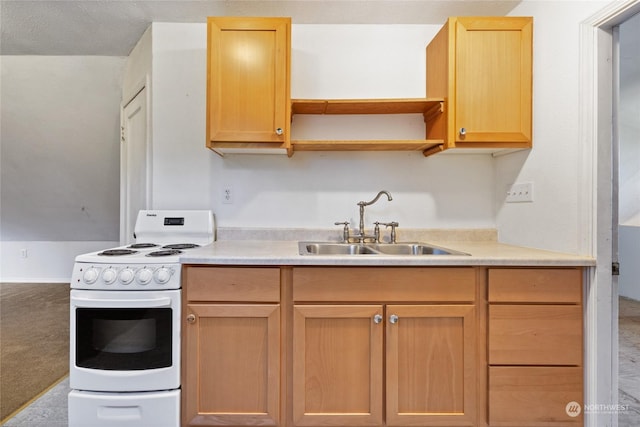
124, 340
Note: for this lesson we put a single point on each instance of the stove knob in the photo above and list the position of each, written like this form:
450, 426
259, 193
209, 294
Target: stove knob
144, 276
126, 276
109, 276
163, 275
90, 275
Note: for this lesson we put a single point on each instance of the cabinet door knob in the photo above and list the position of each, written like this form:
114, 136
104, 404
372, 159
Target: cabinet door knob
191, 318
393, 319
279, 131
463, 131
377, 318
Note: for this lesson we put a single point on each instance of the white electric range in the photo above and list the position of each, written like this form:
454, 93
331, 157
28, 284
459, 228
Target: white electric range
125, 324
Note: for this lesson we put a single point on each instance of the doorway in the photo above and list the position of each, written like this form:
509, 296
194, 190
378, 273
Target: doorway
626, 221
596, 125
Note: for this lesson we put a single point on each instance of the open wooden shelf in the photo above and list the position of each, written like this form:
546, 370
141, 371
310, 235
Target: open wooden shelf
365, 106
365, 145
428, 107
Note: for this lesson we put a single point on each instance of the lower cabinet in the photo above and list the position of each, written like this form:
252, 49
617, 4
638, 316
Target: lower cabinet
385, 363
231, 347
385, 346
535, 347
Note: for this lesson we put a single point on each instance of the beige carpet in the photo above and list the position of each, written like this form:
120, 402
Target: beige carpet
34, 341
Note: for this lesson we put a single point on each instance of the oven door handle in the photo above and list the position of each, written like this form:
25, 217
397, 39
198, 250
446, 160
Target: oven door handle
120, 303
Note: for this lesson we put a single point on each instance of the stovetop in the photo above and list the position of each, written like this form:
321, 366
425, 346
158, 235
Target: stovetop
152, 262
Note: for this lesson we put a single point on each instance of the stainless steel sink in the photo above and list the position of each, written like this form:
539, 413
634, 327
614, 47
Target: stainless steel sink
321, 248
330, 248
413, 249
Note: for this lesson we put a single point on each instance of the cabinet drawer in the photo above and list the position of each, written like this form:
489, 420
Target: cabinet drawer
535, 335
244, 284
383, 284
530, 285
534, 396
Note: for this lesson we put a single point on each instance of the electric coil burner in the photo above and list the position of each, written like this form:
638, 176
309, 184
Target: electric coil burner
167, 252
117, 252
181, 246
125, 324
142, 246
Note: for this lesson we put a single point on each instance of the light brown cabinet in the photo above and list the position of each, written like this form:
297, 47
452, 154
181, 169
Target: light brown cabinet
482, 67
248, 83
387, 362
535, 347
382, 346
479, 89
231, 346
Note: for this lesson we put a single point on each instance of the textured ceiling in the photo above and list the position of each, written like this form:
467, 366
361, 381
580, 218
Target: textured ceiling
112, 27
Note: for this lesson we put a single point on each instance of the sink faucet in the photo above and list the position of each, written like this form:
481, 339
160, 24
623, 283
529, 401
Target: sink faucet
361, 234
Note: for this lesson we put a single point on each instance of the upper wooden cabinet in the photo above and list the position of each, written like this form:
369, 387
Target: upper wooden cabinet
248, 83
479, 89
482, 67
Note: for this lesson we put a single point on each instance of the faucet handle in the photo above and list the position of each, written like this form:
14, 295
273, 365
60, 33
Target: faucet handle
376, 231
393, 225
345, 230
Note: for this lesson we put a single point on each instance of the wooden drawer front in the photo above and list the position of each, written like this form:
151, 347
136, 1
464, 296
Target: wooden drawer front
530, 285
245, 284
535, 396
384, 284
535, 335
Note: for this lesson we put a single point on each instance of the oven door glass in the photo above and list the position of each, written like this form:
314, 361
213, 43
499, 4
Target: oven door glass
123, 339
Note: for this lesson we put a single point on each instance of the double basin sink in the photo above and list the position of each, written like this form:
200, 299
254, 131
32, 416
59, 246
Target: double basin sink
403, 249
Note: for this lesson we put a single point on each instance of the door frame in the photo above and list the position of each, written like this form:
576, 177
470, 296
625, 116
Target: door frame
143, 84
596, 213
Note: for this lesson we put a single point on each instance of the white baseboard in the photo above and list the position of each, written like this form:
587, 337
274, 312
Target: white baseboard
46, 262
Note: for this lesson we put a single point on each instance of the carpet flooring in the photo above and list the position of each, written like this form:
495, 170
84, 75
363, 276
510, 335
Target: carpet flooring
34, 341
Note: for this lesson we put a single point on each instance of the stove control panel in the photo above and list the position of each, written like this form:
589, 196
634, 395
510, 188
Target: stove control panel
118, 277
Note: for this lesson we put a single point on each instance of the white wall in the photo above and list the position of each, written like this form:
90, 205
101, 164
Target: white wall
59, 161
629, 122
629, 161
312, 189
551, 221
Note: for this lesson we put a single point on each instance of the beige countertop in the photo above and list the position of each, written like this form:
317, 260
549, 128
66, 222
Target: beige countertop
285, 252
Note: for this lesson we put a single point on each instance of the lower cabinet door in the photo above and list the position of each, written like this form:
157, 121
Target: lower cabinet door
337, 365
535, 396
231, 365
430, 365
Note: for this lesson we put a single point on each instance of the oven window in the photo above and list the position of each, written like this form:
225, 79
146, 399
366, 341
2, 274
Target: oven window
123, 339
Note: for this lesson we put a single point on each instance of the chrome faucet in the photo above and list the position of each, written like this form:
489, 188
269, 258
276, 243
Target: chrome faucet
361, 236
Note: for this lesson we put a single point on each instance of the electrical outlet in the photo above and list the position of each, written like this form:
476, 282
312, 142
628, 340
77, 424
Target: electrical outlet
24, 253
520, 192
227, 195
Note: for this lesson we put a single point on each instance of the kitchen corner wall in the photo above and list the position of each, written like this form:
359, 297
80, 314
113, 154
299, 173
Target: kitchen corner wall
553, 220
312, 189
59, 162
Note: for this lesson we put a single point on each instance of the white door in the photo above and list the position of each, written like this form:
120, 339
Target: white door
134, 182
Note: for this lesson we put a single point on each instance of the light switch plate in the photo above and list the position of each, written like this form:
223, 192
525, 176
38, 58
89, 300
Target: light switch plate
520, 192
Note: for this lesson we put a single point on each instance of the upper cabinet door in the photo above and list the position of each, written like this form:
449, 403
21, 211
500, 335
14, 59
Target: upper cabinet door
482, 66
493, 79
248, 95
